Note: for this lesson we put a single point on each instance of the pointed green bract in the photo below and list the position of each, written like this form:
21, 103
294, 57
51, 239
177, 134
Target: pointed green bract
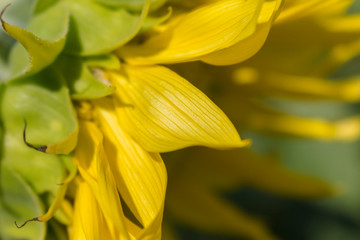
18, 203
96, 29
82, 83
44, 101
42, 42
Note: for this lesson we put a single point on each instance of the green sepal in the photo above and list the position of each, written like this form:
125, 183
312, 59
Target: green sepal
105, 61
82, 83
18, 203
97, 29
41, 43
43, 100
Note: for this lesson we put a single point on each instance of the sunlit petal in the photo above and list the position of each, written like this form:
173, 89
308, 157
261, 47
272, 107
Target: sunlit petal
164, 112
207, 29
140, 176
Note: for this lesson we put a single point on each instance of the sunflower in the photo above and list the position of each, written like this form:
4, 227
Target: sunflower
87, 79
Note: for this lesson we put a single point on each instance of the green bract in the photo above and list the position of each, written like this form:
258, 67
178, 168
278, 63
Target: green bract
18, 202
59, 57
97, 29
41, 44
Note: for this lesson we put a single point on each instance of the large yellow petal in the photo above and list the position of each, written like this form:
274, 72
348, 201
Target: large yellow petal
140, 176
163, 112
93, 166
209, 28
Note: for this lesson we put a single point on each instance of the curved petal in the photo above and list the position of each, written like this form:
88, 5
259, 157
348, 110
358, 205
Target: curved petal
140, 176
88, 220
206, 29
93, 166
250, 45
241, 51
163, 112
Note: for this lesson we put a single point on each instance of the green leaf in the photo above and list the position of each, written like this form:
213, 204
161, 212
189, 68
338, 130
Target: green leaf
41, 43
96, 29
81, 82
18, 203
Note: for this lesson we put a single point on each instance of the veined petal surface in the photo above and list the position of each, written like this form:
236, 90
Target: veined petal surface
163, 112
209, 28
93, 166
140, 176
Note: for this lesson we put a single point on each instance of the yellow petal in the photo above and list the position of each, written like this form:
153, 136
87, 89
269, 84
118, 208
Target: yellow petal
265, 119
192, 204
65, 146
231, 169
298, 8
88, 221
210, 28
241, 51
93, 166
303, 87
250, 45
163, 112
140, 176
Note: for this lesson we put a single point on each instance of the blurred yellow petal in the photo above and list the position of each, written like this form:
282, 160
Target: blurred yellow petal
140, 176
296, 9
277, 84
265, 119
88, 221
93, 166
193, 205
209, 28
234, 168
164, 112
349, 23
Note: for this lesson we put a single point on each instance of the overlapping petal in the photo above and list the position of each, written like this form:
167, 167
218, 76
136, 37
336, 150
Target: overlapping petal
207, 29
93, 166
140, 175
